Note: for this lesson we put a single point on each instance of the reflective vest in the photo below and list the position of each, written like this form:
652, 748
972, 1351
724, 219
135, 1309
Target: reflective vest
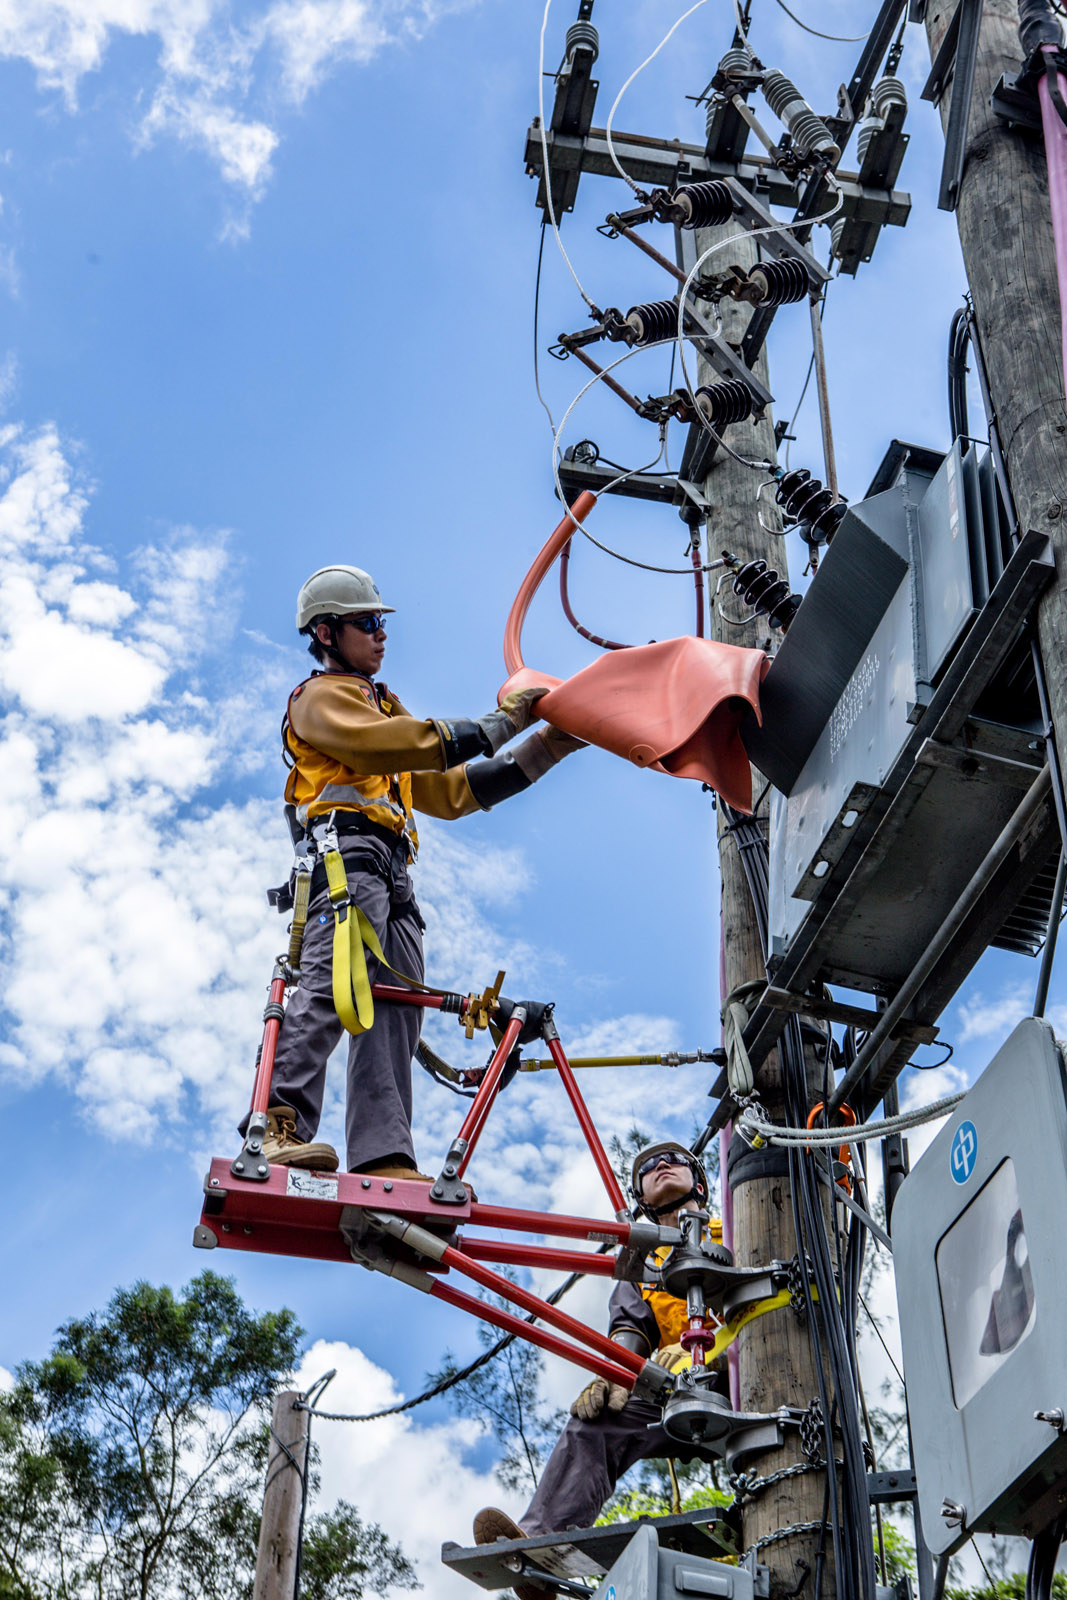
318, 783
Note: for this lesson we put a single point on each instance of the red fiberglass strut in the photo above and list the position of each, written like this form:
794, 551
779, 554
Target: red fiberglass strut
414, 1231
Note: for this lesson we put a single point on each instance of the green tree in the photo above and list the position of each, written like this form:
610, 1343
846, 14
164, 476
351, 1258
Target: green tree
504, 1397
132, 1457
345, 1559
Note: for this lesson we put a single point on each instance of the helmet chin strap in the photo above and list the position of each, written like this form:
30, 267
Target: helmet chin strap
331, 650
655, 1212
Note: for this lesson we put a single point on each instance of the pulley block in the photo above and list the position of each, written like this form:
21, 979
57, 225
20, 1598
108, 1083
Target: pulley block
696, 1412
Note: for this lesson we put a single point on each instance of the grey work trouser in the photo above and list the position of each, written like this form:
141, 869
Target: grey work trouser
588, 1460
378, 1104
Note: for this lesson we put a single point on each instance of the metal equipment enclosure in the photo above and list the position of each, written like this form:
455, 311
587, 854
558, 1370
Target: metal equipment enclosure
913, 823
977, 1244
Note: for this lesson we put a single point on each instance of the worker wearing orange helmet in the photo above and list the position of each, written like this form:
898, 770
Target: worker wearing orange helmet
363, 765
611, 1429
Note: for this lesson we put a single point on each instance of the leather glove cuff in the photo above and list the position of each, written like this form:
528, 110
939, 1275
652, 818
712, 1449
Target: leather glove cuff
535, 756
496, 728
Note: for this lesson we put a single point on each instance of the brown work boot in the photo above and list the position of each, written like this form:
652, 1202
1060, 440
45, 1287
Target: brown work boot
492, 1524
282, 1147
391, 1168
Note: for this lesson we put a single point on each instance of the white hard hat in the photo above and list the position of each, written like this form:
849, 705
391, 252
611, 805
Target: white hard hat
652, 1152
333, 591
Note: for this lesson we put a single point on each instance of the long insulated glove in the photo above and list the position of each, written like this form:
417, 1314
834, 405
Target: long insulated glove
463, 739
503, 776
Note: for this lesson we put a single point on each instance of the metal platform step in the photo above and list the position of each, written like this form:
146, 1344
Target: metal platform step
588, 1553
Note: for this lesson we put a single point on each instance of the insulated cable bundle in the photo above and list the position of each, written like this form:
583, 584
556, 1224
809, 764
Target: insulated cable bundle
831, 1320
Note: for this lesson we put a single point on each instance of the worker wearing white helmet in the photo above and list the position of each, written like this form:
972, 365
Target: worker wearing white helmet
358, 757
610, 1429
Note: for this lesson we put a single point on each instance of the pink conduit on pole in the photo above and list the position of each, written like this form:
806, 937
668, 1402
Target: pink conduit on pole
1056, 155
675, 705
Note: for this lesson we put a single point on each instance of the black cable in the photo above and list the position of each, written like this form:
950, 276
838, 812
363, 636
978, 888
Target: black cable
834, 38
444, 1384
933, 1066
536, 316
959, 338
850, 1514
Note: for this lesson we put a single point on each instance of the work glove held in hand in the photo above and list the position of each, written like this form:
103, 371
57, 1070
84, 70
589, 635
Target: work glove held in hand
519, 705
595, 1396
513, 715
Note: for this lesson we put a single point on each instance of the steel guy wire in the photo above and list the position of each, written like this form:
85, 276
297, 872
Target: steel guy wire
745, 233
446, 1383
834, 38
881, 1340
549, 207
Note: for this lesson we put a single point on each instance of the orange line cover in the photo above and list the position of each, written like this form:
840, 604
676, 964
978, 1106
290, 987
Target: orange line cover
675, 706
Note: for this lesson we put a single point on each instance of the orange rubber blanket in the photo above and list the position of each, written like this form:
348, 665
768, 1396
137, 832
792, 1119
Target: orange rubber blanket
675, 705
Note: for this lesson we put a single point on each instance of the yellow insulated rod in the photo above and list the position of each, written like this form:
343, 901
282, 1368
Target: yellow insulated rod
671, 1058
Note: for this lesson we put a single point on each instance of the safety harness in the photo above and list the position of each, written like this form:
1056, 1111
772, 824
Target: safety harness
353, 931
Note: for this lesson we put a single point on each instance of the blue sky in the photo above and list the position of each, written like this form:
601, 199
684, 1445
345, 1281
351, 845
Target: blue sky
266, 301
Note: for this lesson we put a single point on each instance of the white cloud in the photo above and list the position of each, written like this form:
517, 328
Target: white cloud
412, 1479
135, 938
216, 85
982, 1018
7, 1381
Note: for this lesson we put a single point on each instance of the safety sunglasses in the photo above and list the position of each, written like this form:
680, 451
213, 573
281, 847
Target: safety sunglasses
666, 1158
365, 621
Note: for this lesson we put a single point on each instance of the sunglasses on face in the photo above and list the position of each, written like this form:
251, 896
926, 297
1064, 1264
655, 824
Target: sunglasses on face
366, 621
667, 1158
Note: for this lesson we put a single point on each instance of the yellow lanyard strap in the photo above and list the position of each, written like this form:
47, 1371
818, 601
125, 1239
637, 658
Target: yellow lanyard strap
353, 933
729, 1330
301, 900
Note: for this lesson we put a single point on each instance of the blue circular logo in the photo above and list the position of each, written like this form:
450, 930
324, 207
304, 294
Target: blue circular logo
610, 1594
963, 1152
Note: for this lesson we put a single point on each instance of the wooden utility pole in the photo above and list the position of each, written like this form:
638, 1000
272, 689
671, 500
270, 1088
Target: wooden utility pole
775, 1354
1006, 234
278, 1555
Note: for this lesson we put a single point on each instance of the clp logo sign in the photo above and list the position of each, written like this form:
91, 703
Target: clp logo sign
611, 1593
964, 1151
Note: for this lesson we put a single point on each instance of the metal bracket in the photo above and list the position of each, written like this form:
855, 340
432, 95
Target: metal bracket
725, 360
449, 1188
251, 1165
754, 1284
885, 1487
644, 1238
755, 1434
779, 245
956, 58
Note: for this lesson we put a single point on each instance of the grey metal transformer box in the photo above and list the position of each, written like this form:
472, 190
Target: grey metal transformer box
907, 573
645, 1572
980, 1255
